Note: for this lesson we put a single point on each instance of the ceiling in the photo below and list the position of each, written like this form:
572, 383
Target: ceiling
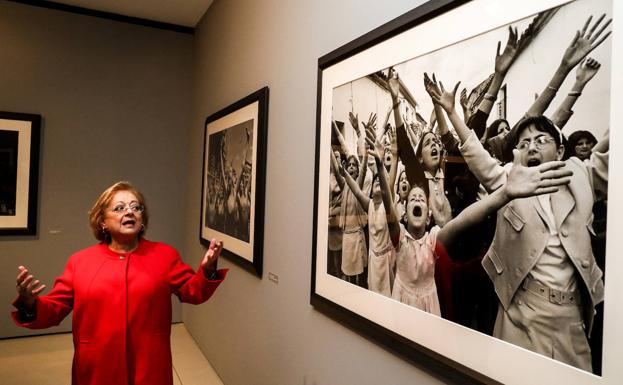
186, 13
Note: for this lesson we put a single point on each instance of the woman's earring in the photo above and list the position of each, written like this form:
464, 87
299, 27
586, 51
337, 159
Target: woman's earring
142, 227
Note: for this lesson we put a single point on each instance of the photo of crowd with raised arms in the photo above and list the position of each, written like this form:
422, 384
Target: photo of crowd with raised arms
471, 182
228, 202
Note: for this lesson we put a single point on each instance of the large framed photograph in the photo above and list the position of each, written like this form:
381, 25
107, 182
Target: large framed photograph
19, 172
461, 193
234, 174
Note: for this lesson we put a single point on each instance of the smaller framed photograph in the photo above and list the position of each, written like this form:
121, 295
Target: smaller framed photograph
234, 178
19, 172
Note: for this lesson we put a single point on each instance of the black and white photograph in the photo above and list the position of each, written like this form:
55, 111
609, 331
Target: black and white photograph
228, 206
19, 172
234, 178
467, 181
8, 171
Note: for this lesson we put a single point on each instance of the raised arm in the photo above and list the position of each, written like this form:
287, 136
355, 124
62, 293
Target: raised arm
405, 148
362, 198
432, 88
586, 71
340, 139
484, 167
386, 189
463, 99
393, 148
582, 44
522, 182
446, 100
335, 167
503, 63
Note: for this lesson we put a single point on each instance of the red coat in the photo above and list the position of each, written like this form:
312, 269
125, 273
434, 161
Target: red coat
122, 311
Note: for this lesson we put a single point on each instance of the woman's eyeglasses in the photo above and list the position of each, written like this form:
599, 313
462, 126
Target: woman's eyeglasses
134, 207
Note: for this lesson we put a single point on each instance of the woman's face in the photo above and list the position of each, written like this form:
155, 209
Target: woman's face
123, 217
583, 148
431, 152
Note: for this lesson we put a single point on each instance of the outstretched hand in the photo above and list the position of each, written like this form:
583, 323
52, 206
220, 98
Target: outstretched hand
27, 286
545, 178
587, 70
371, 122
375, 145
585, 41
354, 121
210, 258
446, 98
431, 86
503, 62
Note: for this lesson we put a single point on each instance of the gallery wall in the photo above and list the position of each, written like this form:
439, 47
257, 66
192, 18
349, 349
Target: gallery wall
255, 331
115, 101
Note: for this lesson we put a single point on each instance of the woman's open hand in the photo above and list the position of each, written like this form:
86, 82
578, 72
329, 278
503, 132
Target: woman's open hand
210, 258
28, 287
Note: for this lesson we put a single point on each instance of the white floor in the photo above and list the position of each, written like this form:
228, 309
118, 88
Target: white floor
46, 360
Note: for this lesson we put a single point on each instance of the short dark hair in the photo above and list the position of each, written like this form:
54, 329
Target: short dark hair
541, 123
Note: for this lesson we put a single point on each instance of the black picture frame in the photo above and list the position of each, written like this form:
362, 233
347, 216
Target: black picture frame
19, 172
367, 56
232, 136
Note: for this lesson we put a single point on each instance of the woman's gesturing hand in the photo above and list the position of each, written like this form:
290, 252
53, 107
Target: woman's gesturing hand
210, 259
28, 287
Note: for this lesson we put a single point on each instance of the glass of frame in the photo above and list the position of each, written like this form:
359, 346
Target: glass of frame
19, 172
234, 174
460, 41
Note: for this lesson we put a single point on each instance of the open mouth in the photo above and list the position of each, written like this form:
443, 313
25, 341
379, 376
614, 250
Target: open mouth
417, 211
128, 222
533, 162
388, 158
404, 188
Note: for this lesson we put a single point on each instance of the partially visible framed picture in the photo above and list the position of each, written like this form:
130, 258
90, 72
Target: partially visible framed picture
417, 125
234, 178
19, 172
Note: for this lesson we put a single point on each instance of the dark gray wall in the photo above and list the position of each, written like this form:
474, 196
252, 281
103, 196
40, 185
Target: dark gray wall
116, 105
253, 331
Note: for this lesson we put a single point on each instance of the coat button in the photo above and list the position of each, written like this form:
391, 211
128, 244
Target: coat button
564, 232
519, 302
121, 257
585, 264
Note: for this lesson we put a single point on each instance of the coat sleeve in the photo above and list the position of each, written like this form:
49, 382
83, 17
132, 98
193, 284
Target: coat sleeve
484, 167
52, 308
190, 286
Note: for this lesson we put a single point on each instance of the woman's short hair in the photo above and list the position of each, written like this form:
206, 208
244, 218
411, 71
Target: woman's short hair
98, 211
541, 123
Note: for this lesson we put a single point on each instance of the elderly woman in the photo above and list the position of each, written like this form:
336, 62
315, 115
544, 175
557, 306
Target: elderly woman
120, 291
